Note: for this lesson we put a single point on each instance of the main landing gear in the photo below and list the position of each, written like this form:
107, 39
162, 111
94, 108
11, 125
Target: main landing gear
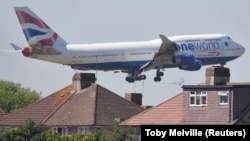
158, 76
132, 78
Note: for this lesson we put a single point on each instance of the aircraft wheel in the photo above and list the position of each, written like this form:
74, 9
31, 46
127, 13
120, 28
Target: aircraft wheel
157, 79
143, 77
130, 79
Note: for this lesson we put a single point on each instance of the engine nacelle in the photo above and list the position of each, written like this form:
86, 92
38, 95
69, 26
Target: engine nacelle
27, 51
183, 59
195, 66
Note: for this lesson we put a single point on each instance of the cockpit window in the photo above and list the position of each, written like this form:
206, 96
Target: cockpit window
226, 43
228, 38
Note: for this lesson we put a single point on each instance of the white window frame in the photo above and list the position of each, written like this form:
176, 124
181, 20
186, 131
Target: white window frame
196, 98
65, 130
223, 94
83, 130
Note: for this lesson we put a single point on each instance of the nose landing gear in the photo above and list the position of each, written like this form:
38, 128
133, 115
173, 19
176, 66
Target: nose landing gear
158, 76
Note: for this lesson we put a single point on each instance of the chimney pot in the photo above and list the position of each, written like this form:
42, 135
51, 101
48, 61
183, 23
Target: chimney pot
134, 97
82, 80
217, 75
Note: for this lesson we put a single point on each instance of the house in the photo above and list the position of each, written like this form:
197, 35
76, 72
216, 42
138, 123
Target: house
217, 101
80, 107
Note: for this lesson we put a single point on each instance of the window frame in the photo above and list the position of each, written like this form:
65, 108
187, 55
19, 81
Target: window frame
196, 98
86, 130
224, 93
64, 130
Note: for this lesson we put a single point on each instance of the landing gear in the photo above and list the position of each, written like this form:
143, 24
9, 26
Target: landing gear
158, 76
133, 78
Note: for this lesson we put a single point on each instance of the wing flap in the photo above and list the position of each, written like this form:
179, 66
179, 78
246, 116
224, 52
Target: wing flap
164, 56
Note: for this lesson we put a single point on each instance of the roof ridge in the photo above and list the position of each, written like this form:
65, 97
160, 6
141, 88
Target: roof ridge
120, 96
85, 90
56, 109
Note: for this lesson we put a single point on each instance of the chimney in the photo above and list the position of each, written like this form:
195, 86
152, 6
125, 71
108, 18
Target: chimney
82, 80
134, 97
217, 75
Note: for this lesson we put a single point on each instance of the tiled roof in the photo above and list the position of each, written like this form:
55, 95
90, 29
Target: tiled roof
168, 112
38, 111
94, 105
110, 106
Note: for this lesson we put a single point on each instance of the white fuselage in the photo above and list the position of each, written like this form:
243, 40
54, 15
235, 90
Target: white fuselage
210, 49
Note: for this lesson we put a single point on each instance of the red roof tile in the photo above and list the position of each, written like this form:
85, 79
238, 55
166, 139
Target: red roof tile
94, 105
168, 112
38, 111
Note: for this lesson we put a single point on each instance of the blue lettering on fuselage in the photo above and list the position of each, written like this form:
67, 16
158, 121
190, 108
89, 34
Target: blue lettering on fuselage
201, 46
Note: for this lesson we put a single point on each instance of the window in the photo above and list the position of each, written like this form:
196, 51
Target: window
223, 97
226, 43
198, 98
61, 130
83, 130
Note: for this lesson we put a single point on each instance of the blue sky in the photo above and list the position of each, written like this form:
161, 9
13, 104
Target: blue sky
113, 21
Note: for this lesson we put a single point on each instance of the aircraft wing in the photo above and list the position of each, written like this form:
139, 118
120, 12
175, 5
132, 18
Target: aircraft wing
164, 55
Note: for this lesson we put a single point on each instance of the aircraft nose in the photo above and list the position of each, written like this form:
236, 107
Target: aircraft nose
242, 50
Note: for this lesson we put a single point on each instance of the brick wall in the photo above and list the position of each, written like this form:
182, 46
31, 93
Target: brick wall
212, 112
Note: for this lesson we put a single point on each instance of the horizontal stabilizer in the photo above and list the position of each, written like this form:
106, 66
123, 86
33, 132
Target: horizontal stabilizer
15, 46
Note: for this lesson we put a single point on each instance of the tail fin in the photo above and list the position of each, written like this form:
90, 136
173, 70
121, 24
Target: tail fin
41, 38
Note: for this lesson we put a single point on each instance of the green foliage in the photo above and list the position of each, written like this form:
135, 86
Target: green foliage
14, 97
52, 135
95, 136
123, 133
29, 131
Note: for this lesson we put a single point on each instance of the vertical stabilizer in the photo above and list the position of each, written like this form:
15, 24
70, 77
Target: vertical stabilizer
40, 37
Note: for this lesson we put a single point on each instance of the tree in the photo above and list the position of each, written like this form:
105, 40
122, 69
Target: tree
95, 136
123, 133
14, 97
29, 131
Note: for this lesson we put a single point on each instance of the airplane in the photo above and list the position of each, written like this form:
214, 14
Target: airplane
186, 52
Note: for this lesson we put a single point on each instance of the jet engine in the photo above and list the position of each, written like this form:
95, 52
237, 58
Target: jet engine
183, 59
193, 67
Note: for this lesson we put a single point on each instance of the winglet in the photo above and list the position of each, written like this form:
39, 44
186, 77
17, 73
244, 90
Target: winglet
164, 38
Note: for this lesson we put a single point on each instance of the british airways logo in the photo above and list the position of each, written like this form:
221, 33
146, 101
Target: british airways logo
201, 46
35, 30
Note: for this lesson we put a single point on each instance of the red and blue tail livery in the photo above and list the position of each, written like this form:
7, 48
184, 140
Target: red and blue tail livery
185, 52
40, 37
